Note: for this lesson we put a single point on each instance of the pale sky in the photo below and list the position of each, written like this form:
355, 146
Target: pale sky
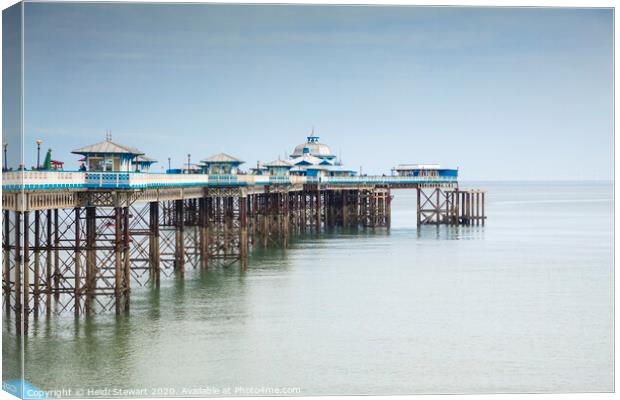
502, 93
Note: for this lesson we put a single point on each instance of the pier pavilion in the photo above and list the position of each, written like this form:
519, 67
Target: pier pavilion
221, 164
78, 241
316, 159
108, 156
279, 167
423, 170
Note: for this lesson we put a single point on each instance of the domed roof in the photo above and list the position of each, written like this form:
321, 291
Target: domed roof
312, 147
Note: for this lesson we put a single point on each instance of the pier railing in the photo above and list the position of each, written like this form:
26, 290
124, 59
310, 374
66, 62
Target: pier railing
76, 180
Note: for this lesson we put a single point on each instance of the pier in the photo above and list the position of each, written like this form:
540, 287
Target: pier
78, 241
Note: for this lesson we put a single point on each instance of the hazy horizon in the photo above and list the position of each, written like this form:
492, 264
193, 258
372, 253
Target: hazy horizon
501, 93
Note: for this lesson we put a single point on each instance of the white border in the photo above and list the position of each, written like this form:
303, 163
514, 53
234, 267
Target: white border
504, 3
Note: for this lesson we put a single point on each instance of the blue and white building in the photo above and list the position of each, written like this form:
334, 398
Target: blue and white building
110, 156
314, 158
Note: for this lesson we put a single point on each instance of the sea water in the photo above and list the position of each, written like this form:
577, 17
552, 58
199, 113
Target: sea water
523, 304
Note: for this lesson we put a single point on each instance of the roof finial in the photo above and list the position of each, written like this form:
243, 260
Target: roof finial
108, 136
313, 138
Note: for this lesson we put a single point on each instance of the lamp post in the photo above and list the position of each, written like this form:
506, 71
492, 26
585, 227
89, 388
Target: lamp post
168, 163
188, 162
39, 142
6, 165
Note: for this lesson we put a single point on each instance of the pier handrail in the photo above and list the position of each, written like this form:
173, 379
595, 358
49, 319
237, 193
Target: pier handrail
48, 180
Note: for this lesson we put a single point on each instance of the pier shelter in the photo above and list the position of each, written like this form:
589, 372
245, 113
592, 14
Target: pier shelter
108, 156
424, 170
279, 167
221, 164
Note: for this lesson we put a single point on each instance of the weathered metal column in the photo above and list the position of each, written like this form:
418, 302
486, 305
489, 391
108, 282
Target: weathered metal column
126, 260
6, 248
419, 203
18, 275
483, 217
318, 210
303, 210
118, 260
48, 264
388, 210
56, 257
26, 270
91, 257
37, 262
266, 216
454, 214
243, 230
203, 217
287, 217
154, 250
77, 263
179, 248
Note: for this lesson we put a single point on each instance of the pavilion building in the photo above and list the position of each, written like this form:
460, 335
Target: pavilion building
221, 164
109, 156
279, 167
424, 170
314, 158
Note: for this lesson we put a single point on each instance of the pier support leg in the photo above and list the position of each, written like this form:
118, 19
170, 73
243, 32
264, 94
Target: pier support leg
179, 248
126, 260
318, 210
48, 264
17, 278
204, 212
91, 257
37, 262
286, 217
77, 253
6, 252
118, 258
483, 217
57, 274
419, 206
243, 231
26, 271
154, 250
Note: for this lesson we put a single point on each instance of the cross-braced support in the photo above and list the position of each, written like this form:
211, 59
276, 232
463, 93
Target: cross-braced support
450, 207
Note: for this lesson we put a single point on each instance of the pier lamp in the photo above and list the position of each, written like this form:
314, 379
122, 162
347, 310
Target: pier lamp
168, 163
6, 165
189, 156
39, 142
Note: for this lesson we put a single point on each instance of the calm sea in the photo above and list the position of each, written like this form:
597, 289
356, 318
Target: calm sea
524, 304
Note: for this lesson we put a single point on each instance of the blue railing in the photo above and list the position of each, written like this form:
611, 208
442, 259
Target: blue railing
46, 180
